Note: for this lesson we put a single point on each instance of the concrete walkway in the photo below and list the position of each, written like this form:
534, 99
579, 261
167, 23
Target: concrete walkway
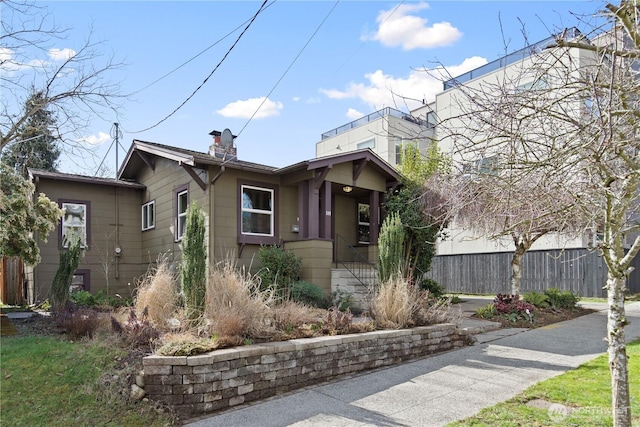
441, 388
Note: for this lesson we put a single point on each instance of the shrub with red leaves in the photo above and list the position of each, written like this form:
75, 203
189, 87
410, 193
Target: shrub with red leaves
507, 304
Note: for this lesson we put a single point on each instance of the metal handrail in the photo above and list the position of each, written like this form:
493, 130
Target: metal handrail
353, 261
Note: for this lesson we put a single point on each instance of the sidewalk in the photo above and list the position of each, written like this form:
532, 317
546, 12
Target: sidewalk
441, 388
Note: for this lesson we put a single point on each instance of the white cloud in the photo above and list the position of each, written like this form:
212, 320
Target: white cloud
353, 114
384, 90
56, 54
96, 140
296, 98
244, 109
313, 100
399, 26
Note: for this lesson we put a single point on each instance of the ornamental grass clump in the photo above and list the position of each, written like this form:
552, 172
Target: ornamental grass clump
235, 304
395, 303
158, 295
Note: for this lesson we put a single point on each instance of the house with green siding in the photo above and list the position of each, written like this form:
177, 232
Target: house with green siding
326, 210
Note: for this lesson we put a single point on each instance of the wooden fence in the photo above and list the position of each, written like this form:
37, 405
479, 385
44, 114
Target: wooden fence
575, 270
12, 281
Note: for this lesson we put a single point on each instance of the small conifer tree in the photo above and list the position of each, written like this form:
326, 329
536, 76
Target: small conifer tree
194, 262
391, 255
69, 261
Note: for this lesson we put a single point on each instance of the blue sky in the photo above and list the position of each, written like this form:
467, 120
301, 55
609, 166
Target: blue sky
364, 51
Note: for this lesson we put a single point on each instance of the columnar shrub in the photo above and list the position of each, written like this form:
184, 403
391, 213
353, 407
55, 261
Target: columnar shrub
391, 250
69, 261
194, 263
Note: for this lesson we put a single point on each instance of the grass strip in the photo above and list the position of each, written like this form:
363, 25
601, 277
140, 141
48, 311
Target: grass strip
581, 397
54, 382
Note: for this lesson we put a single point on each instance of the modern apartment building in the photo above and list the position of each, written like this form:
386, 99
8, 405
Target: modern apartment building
467, 261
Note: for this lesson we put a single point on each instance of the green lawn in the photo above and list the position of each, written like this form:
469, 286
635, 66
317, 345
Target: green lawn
585, 391
55, 382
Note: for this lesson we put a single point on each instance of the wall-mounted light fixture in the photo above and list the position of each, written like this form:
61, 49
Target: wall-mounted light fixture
347, 189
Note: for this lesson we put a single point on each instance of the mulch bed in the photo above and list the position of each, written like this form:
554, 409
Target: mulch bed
542, 317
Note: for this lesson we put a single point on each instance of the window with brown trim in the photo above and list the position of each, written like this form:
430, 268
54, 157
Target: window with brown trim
257, 222
149, 215
75, 223
364, 223
80, 281
181, 202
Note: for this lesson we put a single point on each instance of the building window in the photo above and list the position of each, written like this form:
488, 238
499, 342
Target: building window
366, 144
257, 211
80, 281
74, 223
149, 215
485, 166
364, 218
182, 202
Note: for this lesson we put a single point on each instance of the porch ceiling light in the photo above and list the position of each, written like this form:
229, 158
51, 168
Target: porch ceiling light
347, 189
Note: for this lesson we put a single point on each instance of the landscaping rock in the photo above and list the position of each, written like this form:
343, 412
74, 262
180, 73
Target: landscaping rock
137, 393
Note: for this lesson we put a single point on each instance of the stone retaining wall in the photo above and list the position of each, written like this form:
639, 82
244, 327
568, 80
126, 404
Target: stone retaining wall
195, 385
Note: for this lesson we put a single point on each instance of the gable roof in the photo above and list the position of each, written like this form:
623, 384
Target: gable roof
140, 149
361, 156
182, 155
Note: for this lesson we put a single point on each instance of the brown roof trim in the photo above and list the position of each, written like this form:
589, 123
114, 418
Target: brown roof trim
60, 176
364, 154
190, 158
195, 158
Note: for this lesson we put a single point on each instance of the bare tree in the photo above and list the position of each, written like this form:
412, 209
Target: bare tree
504, 203
564, 123
73, 81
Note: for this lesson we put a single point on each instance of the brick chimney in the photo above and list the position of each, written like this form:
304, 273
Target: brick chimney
218, 148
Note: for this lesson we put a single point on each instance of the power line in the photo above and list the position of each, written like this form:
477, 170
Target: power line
198, 54
210, 74
289, 67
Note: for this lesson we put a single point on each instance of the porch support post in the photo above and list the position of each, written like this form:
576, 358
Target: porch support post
325, 211
374, 220
313, 224
303, 209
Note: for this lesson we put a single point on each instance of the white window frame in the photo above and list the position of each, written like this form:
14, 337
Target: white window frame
181, 217
364, 224
369, 143
270, 212
149, 215
67, 224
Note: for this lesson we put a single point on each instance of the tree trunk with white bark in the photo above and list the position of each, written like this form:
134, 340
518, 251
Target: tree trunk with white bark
617, 352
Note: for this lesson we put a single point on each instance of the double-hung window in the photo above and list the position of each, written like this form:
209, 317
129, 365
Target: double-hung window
74, 223
149, 215
257, 211
182, 202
